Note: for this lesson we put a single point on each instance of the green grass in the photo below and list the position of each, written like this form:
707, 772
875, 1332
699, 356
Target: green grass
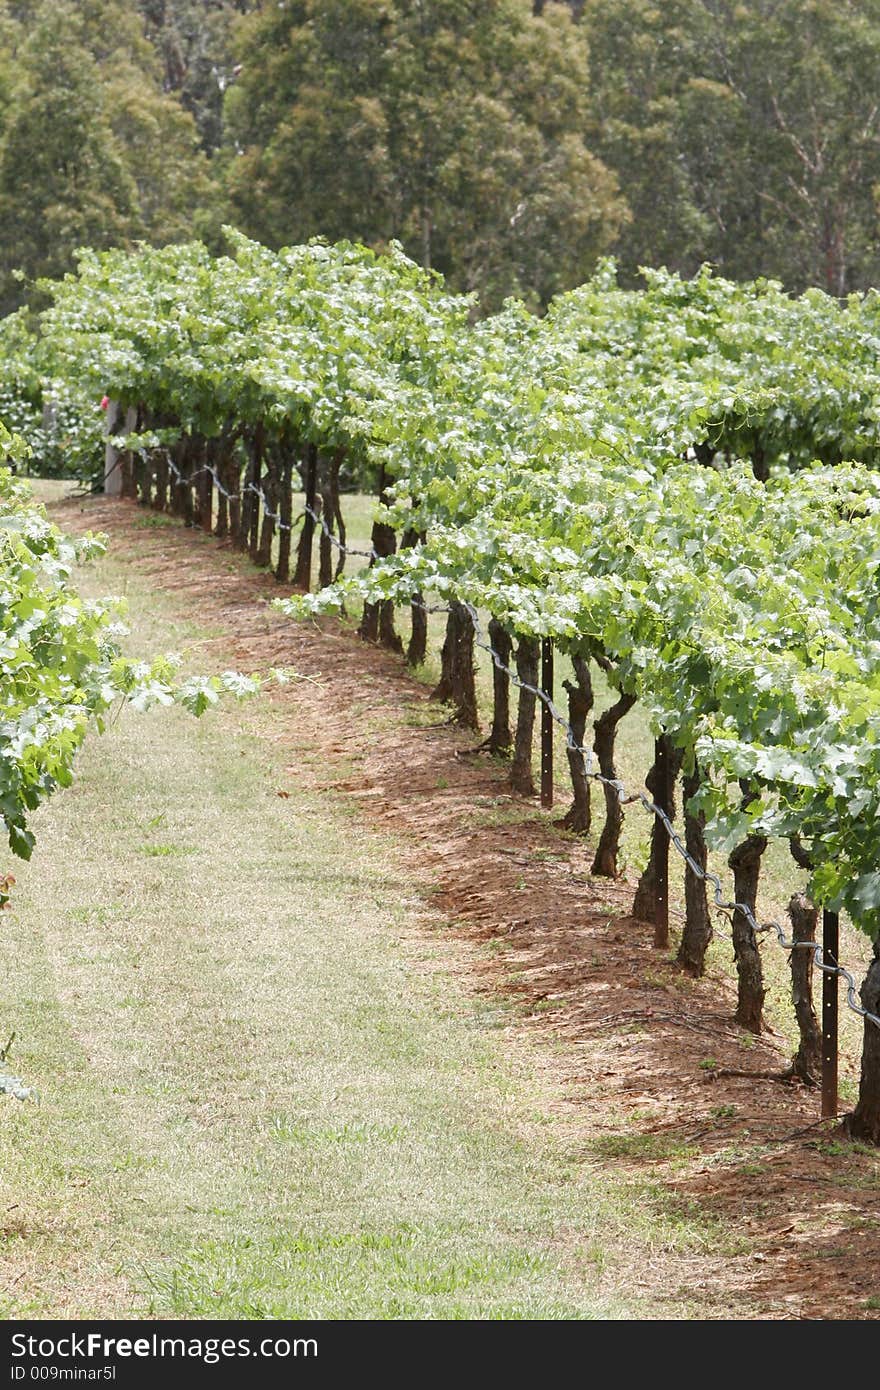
260, 1097
643, 1147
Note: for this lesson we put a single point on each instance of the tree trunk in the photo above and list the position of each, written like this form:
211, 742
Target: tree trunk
807, 1061
660, 782
608, 848
303, 576
746, 864
500, 738
697, 923
457, 685
521, 779
864, 1123
578, 817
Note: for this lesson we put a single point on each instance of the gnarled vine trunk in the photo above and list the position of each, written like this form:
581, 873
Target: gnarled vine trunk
521, 779
697, 931
329, 495
285, 511
864, 1123
231, 476
302, 577
608, 848
578, 817
457, 684
500, 738
746, 864
377, 621
806, 1064
417, 646
660, 782
263, 554
249, 506
760, 466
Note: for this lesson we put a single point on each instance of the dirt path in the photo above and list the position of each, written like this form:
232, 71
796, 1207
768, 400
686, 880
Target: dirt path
634, 1050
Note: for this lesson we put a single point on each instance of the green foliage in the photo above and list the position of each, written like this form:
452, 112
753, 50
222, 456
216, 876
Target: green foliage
502, 143
96, 155
746, 135
62, 423
680, 478
62, 181
456, 128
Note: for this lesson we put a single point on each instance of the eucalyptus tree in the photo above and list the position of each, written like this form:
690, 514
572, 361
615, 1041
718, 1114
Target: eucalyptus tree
455, 127
94, 155
745, 134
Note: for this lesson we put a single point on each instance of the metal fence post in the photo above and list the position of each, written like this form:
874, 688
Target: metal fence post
663, 799
830, 996
546, 724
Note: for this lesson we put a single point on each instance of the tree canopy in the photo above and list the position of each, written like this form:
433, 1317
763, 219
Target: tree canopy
508, 144
94, 155
456, 128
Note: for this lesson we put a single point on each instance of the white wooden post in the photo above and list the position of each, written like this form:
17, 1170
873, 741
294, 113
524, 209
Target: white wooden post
113, 463
112, 466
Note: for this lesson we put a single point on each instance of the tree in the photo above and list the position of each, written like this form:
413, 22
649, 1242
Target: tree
62, 180
801, 103
455, 127
95, 156
746, 134
157, 139
641, 60
193, 40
